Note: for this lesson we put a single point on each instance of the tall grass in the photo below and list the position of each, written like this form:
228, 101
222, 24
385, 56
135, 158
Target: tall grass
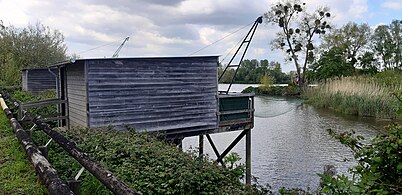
363, 96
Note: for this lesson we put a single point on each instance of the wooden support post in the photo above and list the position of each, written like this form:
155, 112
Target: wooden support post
44, 151
74, 185
233, 144
178, 142
215, 149
248, 158
29, 133
200, 145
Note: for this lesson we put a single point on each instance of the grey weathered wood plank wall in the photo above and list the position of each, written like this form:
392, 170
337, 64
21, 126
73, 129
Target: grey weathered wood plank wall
173, 94
77, 94
37, 80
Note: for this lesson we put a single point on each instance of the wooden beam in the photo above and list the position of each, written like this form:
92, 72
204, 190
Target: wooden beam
43, 103
233, 144
248, 157
215, 149
44, 169
200, 145
103, 175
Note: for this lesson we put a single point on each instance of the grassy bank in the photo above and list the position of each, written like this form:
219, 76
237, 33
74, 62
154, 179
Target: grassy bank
17, 175
362, 96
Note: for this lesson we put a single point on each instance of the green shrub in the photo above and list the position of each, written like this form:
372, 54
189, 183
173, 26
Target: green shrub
44, 111
291, 90
379, 165
147, 164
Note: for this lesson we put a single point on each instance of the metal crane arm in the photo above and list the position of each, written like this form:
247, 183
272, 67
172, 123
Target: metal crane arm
116, 54
246, 42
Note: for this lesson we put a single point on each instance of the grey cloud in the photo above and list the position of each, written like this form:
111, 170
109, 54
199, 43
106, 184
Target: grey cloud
179, 31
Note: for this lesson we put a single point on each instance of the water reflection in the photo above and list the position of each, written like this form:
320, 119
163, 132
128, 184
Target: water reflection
290, 144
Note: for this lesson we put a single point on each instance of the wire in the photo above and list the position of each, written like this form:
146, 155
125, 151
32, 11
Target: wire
221, 38
235, 46
101, 46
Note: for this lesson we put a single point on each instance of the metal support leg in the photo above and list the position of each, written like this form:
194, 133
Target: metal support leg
200, 145
248, 158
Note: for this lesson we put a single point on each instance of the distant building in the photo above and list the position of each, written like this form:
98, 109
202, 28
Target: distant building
36, 80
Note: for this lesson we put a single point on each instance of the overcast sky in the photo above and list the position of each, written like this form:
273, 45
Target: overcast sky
175, 27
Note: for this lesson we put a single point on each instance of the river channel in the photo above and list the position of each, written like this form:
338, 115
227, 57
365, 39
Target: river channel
290, 144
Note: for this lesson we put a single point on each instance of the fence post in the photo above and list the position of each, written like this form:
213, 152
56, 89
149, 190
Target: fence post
44, 151
74, 186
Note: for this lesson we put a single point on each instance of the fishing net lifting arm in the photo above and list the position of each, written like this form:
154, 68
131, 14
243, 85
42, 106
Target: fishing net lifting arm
246, 42
116, 53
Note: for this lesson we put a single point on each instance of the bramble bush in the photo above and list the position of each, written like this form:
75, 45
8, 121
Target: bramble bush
147, 164
379, 164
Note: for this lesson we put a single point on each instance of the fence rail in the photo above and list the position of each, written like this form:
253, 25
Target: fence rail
44, 169
59, 116
54, 182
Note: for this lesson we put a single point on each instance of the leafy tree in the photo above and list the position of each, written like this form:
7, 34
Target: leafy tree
387, 43
396, 32
29, 47
298, 29
383, 46
251, 71
368, 63
331, 64
227, 78
352, 38
266, 82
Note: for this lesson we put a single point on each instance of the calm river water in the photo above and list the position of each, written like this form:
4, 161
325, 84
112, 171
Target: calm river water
290, 144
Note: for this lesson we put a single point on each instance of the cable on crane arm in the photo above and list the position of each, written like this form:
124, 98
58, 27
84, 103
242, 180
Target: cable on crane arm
85, 51
235, 46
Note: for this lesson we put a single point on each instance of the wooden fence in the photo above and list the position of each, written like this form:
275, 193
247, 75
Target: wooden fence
43, 167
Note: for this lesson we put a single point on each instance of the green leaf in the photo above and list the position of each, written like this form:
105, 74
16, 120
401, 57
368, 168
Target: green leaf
355, 189
399, 167
377, 159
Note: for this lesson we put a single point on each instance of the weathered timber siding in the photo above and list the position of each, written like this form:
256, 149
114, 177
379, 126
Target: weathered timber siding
77, 94
24, 80
173, 94
37, 80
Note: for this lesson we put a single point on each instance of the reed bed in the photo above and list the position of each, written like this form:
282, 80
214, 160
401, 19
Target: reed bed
363, 96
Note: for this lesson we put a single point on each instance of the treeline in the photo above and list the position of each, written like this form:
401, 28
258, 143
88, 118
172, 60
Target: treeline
356, 49
253, 71
320, 50
29, 47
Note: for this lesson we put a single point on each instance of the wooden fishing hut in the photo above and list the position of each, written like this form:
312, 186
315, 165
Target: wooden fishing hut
36, 80
175, 95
